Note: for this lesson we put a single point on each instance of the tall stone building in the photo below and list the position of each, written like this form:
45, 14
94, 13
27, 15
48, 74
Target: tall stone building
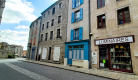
114, 25
33, 40
2, 6
54, 32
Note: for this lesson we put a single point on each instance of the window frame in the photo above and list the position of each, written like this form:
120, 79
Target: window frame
46, 36
52, 24
59, 20
41, 37
47, 24
76, 31
58, 33
51, 35
43, 27
53, 11
102, 20
60, 5
101, 5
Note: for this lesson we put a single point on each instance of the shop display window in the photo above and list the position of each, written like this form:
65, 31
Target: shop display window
120, 56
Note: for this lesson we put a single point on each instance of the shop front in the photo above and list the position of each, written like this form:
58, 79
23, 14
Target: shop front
115, 53
77, 53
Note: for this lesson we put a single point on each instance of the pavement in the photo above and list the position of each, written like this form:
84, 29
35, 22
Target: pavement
110, 74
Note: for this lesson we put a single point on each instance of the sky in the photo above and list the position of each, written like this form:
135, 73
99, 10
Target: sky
17, 17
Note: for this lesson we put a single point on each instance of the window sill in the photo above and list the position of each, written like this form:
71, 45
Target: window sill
124, 24
101, 28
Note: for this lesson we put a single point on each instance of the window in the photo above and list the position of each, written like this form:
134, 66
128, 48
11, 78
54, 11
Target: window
100, 3
43, 27
53, 12
76, 3
51, 35
35, 30
44, 15
117, 0
52, 24
34, 41
60, 5
77, 16
76, 34
46, 36
48, 12
41, 37
47, 24
124, 16
36, 22
59, 19
58, 33
101, 21
33, 25
32, 31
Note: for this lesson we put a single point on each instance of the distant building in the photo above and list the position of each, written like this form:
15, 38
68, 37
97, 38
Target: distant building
24, 53
2, 6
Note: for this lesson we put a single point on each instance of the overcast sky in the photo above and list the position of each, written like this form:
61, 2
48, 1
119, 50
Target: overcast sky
17, 17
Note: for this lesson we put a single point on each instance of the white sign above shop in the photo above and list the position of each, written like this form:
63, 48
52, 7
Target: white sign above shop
124, 39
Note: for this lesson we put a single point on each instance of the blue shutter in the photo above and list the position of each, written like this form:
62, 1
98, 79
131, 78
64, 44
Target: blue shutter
81, 14
72, 17
72, 32
73, 4
80, 33
81, 2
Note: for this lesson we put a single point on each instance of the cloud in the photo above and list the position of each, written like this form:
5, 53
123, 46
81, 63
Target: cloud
15, 37
18, 10
22, 27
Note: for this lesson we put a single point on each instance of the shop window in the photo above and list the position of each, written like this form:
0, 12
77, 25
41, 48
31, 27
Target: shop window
43, 27
47, 25
51, 35
123, 15
76, 3
41, 37
59, 19
53, 11
52, 24
58, 33
100, 3
60, 5
77, 16
46, 36
101, 21
77, 34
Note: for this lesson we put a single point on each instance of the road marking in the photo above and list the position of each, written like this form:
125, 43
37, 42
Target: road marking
28, 73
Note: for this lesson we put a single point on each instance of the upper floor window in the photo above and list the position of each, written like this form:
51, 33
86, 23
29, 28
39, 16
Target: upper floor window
77, 34
101, 21
41, 37
32, 31
44, 15
48, 12
77, 16
59, 19
58, 33
53, 11
36, 22
51, 35
43, 27
100, 3
46, 36
35, 30
60, 5
34, 41
52, 24
47, 25
123, 15
76, 3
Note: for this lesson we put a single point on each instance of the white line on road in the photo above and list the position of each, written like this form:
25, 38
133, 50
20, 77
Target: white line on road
30, 74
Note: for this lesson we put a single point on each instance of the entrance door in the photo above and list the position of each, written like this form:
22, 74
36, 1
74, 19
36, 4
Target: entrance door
70, 57
33, 53
103, 57
56, 55
44, 53
49, 53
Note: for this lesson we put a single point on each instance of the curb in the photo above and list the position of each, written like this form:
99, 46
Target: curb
68, 69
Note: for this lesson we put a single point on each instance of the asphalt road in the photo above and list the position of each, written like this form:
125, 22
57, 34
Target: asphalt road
16, 70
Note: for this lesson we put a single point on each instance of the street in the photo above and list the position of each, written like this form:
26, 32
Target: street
12, 69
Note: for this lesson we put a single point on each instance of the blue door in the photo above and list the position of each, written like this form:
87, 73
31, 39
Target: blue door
33, 53
70, 57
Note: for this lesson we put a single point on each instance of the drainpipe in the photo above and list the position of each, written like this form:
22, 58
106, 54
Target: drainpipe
90, 57
39, 38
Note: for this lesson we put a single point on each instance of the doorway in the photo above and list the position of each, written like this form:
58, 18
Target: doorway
49, 53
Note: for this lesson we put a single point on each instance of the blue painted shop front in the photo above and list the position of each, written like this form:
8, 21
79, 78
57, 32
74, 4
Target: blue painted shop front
77, 50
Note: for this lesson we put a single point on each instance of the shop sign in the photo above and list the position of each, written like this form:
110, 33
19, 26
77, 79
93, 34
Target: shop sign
125, 39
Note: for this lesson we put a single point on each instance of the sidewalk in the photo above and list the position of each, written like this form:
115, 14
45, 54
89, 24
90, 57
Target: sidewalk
117, 75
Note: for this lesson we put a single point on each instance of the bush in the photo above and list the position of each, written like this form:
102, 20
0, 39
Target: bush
11, 55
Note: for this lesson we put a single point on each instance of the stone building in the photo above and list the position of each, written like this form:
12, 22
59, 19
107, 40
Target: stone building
54, 32
114, 25
2, 6
33, 41
77, 45
18, 50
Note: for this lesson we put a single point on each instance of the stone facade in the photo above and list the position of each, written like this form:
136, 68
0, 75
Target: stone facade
2, 6
112, 28
47, 16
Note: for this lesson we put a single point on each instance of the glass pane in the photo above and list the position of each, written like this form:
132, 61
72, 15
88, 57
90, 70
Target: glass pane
82, 54
120, 17
82, 46
127, 20
78, 54
74, 54
70, 53
70, 47
76, 46
127, 16
126, 12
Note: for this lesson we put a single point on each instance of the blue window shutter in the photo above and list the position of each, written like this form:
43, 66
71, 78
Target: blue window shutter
72, 32
81, 14
81, 1
73, 4
80, 33
72, 17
